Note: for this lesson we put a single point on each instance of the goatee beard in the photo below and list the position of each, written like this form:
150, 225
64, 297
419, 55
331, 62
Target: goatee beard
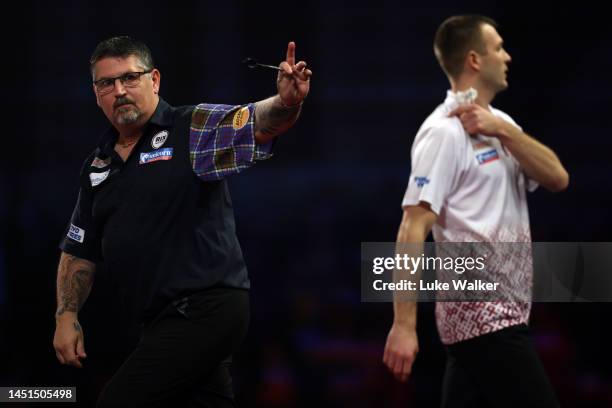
128, 117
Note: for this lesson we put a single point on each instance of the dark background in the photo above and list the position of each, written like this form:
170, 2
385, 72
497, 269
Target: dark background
337, 179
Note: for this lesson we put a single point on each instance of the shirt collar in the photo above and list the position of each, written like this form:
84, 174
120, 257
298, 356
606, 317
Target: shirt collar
162, 115
451, 101
450, 98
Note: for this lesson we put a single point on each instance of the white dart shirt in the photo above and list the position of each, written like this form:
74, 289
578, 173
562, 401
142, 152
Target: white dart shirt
478, 191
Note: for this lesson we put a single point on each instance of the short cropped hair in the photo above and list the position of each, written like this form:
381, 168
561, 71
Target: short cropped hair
455, 37
122, 47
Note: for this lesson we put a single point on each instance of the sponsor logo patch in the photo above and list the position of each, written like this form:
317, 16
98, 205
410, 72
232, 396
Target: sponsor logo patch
487, 157
421, 181
99, 163
162, 154
97, 178
240, 118
75, 233
159, 139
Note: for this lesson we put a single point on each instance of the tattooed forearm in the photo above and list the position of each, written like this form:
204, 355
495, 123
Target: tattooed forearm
74, 280
272, 118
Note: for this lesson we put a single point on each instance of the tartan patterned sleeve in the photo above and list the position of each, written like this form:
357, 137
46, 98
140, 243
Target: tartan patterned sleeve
222, 140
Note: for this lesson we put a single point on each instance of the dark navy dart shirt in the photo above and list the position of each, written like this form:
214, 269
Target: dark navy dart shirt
162, 221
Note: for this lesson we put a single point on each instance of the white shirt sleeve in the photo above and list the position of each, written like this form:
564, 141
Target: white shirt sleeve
435, 167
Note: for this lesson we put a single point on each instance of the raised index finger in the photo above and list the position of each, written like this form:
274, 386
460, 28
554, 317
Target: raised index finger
291, 54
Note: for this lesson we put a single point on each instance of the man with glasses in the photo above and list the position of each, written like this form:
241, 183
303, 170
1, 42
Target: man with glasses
154, 206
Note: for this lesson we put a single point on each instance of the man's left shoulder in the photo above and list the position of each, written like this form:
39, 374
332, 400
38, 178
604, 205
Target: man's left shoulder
183, 112
503, 115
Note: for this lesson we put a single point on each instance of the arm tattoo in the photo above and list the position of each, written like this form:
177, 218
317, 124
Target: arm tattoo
74, 281
272, 117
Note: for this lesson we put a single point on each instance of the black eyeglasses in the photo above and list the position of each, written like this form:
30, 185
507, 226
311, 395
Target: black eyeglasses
129, 79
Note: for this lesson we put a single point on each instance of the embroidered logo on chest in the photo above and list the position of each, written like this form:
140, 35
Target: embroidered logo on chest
99, 163
159, 139
484, 151
157, 155
97, 178
487, 156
